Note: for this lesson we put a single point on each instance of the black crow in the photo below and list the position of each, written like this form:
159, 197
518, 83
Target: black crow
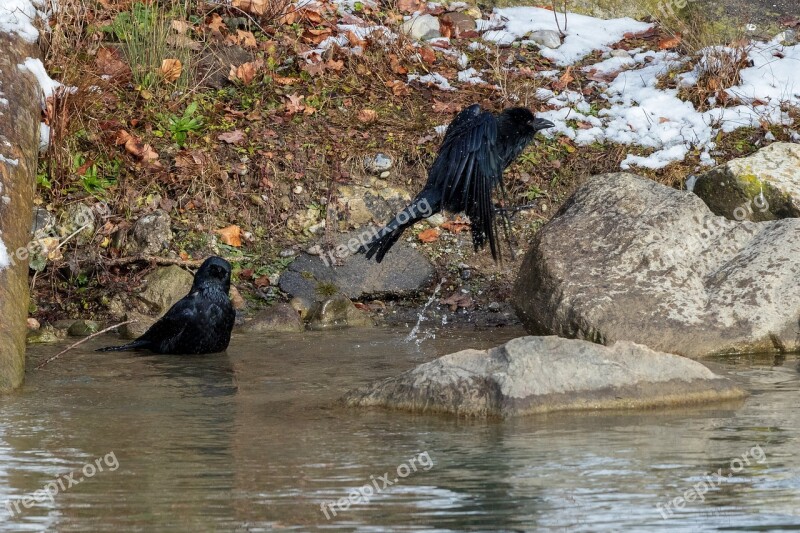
200, 322
477, 148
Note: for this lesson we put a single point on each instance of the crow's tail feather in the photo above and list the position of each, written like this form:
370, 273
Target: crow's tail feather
139, 343
386, 237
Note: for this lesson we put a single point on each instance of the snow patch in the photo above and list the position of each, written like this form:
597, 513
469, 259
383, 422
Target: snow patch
35, 67
5, 261
434, 78
18, 16
44, 137
583, 34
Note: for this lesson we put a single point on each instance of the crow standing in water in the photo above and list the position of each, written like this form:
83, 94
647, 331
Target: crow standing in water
477, 148
200, 322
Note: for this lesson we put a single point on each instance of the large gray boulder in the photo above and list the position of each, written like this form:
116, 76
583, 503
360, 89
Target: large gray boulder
541, 374
629, 259
763, 186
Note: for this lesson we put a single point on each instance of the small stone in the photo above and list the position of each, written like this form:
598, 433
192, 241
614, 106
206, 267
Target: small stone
546, 38
83, 328
314, 250
466, 274
78, 218
274, 278
494, 307
298, 189
236, 299
337, 312
379, 163
385, 174
287, 253
459, 22
421, 28
33, 324
436, 220
473, 12
43, 223
152, 233
46, 335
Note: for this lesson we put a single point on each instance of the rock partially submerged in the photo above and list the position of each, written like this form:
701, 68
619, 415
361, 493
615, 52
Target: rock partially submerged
531, 375
629, 259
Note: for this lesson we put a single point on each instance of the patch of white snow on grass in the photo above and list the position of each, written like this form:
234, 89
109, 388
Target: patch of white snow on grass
583, 34
18, 16
434, 78
35, 67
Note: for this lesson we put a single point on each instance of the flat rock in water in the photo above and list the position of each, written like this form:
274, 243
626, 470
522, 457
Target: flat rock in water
531, 375
763, 186
629, 259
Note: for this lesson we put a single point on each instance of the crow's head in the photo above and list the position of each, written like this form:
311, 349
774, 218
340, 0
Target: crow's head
214, 271
524, 121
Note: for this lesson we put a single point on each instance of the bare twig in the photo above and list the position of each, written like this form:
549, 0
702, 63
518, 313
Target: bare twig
93, 335
162, 261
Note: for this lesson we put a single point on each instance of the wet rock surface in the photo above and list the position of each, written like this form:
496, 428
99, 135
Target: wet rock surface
280, 317
404, 271
531, 375
629, 259
763, 186
337, 312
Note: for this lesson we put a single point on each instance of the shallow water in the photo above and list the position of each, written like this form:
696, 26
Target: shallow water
252, 441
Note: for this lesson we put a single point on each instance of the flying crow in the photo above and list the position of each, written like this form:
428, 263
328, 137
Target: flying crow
477, 148
200, 322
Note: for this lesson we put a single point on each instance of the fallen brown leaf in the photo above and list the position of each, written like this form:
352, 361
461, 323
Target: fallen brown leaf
669, 42
398, 87
397, 68
455, 226
429, 235
367, 116
232, 137
110, 63
565, 79
171, 69
231, 235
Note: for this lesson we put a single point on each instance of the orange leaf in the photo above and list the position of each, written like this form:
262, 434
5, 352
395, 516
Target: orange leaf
429, 235
397, 68
565, 79
295, 103
455, 226
669, 42
427, 55
231, 235
367, 116
171, 69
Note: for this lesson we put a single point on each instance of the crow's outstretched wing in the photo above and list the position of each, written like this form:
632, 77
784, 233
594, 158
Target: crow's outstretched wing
467, 169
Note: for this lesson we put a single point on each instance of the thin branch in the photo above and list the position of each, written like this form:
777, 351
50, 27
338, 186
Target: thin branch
93, 335
162, 261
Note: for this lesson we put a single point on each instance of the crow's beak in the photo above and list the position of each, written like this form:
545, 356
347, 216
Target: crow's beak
541, 124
